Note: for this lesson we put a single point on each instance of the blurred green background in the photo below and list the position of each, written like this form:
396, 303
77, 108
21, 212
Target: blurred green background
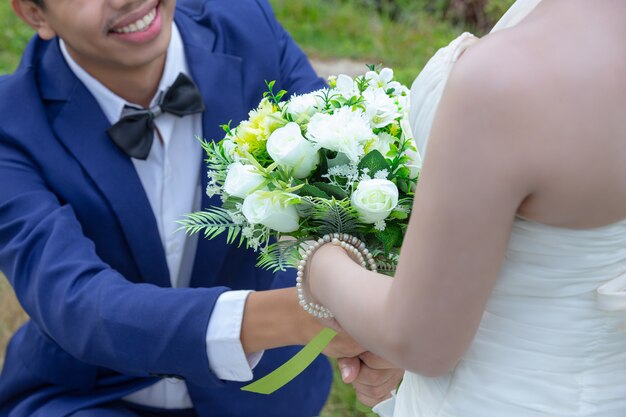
337, 35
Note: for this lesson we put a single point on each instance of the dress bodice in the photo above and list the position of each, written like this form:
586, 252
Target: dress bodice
546, 346
552, 340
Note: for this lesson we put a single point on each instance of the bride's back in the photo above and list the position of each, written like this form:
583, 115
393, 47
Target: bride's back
549, 341
563, 67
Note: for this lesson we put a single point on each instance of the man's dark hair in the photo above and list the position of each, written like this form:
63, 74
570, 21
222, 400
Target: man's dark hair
38, 2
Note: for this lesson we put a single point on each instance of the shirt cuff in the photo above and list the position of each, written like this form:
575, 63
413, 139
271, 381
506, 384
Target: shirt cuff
227, 359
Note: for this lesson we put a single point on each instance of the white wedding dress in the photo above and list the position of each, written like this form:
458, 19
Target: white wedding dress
552, 340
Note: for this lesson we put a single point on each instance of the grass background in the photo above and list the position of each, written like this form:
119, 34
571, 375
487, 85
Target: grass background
326, 29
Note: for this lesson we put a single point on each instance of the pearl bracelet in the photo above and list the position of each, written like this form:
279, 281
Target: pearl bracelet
350, 244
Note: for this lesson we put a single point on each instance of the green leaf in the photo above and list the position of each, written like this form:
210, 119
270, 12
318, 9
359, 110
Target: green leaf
400, 215
374, 162
331, 190
226, 128
312, 191
391, 237
403, 172
335, 103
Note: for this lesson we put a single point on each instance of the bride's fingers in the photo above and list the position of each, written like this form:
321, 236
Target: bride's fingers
375, 362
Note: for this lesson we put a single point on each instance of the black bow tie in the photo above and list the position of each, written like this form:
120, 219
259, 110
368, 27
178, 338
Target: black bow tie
134, 132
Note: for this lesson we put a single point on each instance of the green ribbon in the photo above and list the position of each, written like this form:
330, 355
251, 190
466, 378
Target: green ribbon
294, 366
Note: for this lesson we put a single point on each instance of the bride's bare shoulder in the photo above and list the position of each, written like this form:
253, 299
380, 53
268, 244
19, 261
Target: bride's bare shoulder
505, 63
553, 54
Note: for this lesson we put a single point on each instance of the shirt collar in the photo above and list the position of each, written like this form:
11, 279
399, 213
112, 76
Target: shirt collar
113, 105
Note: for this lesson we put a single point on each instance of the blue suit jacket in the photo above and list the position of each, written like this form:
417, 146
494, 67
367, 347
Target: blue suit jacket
79, 241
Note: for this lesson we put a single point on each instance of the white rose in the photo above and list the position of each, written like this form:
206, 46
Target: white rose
301, 108
271, 209
379, 107
345, 131
291, 150
242, 179
374, 199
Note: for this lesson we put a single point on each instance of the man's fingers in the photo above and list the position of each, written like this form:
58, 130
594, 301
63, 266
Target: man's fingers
375, 377
371, 400
375, 385
350, 369
379, 382
373, 394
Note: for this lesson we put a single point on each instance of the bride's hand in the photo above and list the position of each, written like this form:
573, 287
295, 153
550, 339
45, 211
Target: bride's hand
343, 346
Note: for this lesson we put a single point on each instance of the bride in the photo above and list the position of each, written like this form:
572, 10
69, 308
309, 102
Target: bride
510, 296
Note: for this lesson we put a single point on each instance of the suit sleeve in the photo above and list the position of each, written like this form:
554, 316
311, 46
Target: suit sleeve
297, 74
82, 304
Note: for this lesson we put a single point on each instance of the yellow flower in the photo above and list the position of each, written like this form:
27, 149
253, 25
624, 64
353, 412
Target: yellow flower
252, 134
394, 128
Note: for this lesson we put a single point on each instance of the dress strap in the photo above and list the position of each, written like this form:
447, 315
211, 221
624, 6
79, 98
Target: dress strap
518, 11
428, 88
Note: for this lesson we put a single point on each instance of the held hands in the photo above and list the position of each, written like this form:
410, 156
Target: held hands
372, 377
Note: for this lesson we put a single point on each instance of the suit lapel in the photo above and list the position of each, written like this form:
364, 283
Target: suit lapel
219, 78
79, 123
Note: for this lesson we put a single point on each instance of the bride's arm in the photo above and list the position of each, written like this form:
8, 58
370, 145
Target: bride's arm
477, 173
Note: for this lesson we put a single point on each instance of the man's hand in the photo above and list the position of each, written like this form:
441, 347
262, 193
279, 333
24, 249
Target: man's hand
275, 318
372, 377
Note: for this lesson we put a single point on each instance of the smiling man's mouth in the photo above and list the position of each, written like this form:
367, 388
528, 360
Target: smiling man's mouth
138, 25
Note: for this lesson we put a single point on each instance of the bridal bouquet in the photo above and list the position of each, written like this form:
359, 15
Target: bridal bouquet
337, 160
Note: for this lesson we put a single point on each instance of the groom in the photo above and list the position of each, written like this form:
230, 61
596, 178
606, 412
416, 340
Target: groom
129, 316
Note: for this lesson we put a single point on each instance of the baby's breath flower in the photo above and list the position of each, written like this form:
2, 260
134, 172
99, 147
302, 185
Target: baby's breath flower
247, 232
380, 225
254, 243
237, 218
343, 171
212, 190
382, 174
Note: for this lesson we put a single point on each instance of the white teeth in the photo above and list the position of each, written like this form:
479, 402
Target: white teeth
139, 25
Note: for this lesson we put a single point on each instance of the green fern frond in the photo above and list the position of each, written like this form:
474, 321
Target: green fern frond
280, 255
212, 222
386, 262
217, 161
333, 216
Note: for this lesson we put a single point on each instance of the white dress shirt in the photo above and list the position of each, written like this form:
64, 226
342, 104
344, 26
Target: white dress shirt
171, 178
